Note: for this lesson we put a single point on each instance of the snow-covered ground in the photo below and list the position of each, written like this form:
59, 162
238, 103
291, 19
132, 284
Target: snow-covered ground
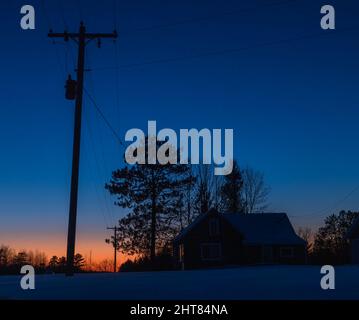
262, 282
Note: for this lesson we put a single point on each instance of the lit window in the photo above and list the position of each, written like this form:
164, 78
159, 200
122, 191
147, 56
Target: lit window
211, 251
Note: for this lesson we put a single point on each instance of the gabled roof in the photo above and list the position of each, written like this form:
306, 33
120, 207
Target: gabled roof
190, 227
264, 228
256, 228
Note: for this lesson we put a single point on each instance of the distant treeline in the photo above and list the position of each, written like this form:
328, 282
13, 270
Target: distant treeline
330, 245
12, 261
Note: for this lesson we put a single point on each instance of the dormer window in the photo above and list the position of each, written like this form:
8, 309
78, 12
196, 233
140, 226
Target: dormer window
214, 227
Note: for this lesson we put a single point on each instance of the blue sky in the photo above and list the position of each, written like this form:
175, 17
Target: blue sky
263, 68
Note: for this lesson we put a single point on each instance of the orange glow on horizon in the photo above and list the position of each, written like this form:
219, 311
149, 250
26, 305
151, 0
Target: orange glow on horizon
92, 246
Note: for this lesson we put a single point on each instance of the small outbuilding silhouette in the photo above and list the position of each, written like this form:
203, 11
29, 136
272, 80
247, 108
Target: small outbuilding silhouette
219, 239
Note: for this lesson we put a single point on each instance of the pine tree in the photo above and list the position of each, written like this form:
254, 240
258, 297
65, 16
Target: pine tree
151, 192
231, 191
79, 261
53, 263
62, 264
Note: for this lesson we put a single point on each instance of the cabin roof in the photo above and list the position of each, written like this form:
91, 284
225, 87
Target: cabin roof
264, 228
258, 228
187, 229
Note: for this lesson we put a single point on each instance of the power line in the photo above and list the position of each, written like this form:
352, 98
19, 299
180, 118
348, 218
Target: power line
97, 166
117, 82
103, 162
62, 13
114, 9
100, 208
80, 11
332, 207
210, 17
117, 71
46, 14
103, 117
225, 51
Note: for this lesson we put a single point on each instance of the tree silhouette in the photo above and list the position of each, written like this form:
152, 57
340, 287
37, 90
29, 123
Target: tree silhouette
79, 262
151, 192
6, 256
255, 191
21, 258
307, 235
231, 200
207, 189
330, 243
53, 263
62, 264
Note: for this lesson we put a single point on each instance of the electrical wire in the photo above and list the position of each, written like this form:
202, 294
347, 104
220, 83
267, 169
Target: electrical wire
62, 13
103, 117
80, 10
46, 14
211, 17
331, 208
94, 185
114, 9
227, 51
103, 159
97, 167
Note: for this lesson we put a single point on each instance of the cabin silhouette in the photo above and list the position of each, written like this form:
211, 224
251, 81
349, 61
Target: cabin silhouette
220, 239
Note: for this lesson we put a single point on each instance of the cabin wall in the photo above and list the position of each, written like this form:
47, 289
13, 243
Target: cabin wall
271, 254
228, 238
298, 257
234, 252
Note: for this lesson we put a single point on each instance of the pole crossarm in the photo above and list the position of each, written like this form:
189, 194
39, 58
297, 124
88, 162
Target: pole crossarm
65, 35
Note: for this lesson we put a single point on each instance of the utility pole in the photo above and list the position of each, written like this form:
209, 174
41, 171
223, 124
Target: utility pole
82, 39
115, 246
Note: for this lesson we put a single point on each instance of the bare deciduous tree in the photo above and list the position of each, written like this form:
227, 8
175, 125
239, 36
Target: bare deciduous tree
105, 265
307, 235
207, 188
255, 191
37, 258
6, 255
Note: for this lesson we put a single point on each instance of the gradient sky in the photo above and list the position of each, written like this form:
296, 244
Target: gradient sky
263, 68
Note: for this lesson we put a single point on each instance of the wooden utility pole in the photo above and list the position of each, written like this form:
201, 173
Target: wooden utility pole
115, 246
81, 38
